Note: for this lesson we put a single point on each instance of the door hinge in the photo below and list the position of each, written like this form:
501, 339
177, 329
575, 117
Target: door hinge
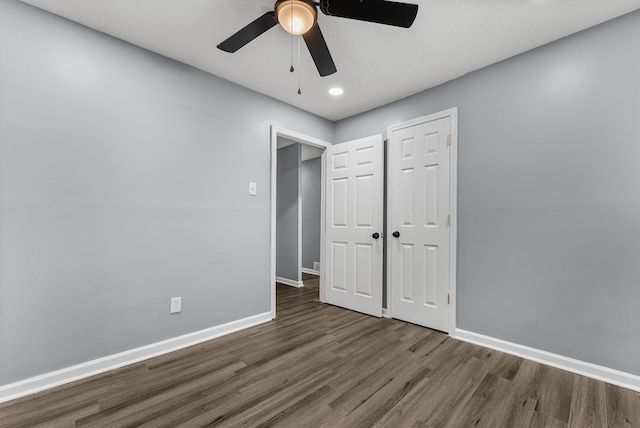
449, 140
449, 220
449, 299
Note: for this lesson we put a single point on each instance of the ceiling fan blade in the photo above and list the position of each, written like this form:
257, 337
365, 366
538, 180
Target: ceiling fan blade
319, 51
249, 33
378, 11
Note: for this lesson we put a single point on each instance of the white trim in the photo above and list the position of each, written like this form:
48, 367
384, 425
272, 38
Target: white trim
276, 132
323, 161
111, 362
310, 271
387, 248
299, 271
452, 113
453, 210
594, 371
274, 214
291, 282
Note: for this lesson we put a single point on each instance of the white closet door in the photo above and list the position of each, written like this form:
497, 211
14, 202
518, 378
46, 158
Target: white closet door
419, 228
354, 224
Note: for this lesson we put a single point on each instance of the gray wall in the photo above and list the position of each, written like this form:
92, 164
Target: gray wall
287, 217
311, 198
549, 201
124, 182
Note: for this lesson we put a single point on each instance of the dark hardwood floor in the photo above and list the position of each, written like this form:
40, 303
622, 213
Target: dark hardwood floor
322, 366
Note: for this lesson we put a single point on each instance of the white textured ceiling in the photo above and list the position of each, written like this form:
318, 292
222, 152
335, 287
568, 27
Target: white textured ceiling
376, 64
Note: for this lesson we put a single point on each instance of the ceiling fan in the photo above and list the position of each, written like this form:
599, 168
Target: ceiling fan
299, 17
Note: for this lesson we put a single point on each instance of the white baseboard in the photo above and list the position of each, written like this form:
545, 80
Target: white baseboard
291, 282
605, 374
385, 313
310, 271
111, 362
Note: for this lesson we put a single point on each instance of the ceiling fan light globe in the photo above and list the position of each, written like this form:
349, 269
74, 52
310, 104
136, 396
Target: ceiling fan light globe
296, 16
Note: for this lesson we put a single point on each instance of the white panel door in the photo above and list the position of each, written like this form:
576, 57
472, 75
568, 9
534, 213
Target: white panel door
354, 224
418, 227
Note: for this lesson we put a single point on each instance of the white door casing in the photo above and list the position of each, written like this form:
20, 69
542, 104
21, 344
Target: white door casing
421, 207
353, 214
276, 132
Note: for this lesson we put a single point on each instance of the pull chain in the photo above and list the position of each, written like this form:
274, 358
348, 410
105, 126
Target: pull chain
291, 34
299, 78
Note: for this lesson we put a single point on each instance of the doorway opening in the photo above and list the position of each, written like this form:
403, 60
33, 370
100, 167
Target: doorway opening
292, 263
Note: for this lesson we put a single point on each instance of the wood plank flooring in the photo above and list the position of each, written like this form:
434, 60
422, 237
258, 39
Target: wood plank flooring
322, 366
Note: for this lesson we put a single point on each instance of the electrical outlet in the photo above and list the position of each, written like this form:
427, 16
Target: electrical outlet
176, 305
253, 189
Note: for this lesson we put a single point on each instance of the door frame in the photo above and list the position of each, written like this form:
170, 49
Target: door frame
277, 131
452, 113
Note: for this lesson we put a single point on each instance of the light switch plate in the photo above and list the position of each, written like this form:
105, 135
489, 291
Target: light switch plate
176, 305
253, 189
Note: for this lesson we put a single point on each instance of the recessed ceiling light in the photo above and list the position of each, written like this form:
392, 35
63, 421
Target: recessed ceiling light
336, 91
